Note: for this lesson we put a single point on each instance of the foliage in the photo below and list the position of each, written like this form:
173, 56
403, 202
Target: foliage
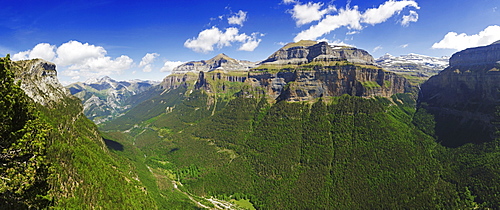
23, 138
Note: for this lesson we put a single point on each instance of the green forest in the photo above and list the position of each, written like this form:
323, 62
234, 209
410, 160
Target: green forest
189, 148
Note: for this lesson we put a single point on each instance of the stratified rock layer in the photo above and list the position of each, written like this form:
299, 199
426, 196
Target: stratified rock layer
464, 97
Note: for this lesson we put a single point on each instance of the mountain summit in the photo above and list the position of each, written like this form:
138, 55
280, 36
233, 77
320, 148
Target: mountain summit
219, 62
308, 51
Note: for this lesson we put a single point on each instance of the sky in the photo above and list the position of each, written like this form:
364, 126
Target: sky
147, 39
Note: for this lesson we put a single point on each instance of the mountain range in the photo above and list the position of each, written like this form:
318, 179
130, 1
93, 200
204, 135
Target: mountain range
105, 98
413, 64
313, 126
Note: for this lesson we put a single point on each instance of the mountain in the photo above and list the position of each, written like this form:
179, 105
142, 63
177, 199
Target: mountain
313, 126
105, 98
51, 155
460, 107
413, 65
302, 71
219, 62
466, 92
308, 51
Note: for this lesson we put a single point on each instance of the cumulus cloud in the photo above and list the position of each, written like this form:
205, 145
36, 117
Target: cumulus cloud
353, 19
209, 38
170, 65
386, 10
238, 18
78, 59
43, 50
412, 17
307, 13
147, 61
453, 40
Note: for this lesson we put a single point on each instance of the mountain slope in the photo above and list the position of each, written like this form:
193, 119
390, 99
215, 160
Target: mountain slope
70, 166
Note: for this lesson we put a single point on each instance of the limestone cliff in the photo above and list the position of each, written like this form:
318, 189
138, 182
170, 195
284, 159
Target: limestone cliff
309, 51
39, 81
464, 97
301, 71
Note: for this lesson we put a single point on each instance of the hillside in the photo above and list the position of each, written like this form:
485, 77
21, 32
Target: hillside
52, 155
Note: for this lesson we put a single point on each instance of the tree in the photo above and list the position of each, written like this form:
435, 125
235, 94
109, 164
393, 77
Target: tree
23, 139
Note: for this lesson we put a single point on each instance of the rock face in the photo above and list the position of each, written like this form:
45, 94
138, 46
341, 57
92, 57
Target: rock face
219, 62
464, 97
304, 85
309, 51
105, 98
39, 81
479, 56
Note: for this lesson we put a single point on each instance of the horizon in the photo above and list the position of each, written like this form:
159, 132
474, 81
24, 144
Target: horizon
128, 40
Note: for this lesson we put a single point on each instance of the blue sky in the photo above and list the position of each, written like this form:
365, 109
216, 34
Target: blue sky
145, 39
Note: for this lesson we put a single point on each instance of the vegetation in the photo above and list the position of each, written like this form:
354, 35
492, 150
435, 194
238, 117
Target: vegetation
348, 152
23, 138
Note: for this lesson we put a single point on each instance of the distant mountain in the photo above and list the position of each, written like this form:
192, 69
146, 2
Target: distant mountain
104, 98
413, 64
219, 62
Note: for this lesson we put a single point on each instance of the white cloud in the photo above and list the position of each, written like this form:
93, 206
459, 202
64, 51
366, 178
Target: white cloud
289, 1
238, 18
453, 40
214, 36
78, 60
170, 65
377, 48
412, 17
404, 46
352, 32
147, 61
386, 10
353, 19
43, 50
76, 53
307, 13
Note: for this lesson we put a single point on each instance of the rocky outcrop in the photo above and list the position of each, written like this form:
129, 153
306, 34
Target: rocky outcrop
176, 80
219, 62
304, 85
465, 96
308, 51
39, 81
486, 55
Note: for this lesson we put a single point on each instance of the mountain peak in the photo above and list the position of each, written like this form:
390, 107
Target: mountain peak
306, 51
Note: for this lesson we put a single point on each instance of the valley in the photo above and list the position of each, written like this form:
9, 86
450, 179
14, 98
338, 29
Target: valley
313, 126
